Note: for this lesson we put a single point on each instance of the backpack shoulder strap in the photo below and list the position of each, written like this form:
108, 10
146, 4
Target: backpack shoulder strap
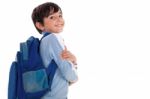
45, 34
52, 67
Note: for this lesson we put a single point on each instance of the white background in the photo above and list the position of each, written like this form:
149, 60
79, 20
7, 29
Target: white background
111, 39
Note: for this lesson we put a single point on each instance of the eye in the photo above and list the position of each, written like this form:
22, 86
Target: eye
60, 15
51, 17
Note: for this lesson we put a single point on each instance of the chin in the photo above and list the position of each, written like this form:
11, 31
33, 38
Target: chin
59, 31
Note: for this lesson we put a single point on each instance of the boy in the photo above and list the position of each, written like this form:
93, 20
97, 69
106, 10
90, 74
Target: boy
47, 18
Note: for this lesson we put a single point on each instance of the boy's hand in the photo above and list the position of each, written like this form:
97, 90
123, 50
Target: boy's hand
68, 56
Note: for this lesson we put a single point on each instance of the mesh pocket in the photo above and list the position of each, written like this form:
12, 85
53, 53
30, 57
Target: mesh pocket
35, 81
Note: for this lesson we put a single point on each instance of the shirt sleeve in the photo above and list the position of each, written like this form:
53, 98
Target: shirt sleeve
66, 68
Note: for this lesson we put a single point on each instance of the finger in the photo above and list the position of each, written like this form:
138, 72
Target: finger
66, 55
65, 52
65, 48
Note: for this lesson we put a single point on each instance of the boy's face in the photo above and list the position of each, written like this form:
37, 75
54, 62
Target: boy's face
53, 23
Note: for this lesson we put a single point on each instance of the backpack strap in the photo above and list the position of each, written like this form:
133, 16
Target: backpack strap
52, 67
45, 34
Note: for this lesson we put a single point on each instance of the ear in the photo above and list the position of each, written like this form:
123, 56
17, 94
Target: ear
39, 26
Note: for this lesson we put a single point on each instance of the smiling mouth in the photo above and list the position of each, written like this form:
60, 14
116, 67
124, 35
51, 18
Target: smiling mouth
60, 25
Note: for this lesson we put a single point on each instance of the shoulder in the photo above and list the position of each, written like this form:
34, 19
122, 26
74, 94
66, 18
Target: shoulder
50, 39
53, 41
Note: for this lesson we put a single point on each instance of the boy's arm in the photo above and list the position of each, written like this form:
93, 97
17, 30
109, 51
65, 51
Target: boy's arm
67, 55
67, 69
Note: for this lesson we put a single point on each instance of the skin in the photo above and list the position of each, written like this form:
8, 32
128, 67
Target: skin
55, 23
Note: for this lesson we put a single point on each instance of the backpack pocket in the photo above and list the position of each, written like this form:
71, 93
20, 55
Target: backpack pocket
34, 81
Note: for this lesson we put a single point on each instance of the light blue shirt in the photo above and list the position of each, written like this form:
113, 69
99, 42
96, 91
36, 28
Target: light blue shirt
51, 48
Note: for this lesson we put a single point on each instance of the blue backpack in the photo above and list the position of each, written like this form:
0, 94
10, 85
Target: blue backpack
28, 77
